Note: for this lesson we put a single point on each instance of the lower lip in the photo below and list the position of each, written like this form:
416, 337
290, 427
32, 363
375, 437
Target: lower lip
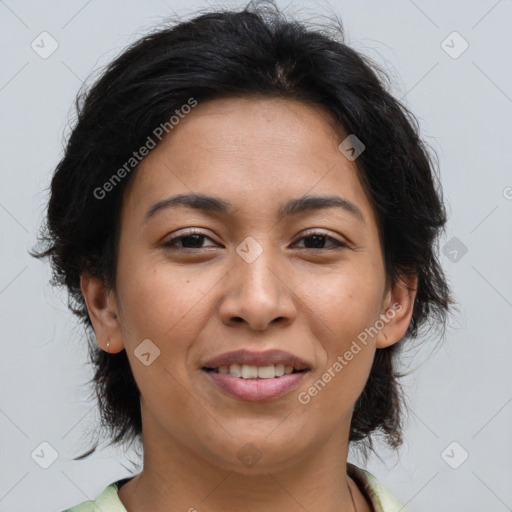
256, 390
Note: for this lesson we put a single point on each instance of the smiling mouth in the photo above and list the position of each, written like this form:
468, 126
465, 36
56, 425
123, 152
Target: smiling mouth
247, 371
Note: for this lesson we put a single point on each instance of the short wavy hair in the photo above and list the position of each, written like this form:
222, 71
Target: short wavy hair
258, 51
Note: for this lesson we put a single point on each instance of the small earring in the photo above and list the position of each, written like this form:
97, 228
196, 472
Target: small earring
108, 344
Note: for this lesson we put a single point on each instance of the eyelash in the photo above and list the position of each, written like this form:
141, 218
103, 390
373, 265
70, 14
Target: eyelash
171, 243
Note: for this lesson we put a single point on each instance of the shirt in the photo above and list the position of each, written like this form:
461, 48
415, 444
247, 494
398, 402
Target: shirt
377, 495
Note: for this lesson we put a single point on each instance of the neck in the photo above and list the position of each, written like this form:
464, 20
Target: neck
176, 477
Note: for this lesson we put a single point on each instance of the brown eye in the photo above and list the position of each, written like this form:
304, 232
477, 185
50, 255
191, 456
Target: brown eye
191, 240
317, 240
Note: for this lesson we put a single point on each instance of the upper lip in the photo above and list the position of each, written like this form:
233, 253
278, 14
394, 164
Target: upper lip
249, 357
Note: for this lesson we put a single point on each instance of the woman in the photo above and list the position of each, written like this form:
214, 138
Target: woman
247, 220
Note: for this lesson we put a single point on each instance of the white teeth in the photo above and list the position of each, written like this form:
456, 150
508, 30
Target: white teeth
266, 372
248, 371
279, 369
235, 370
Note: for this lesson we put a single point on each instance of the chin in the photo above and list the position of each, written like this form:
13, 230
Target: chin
254, 455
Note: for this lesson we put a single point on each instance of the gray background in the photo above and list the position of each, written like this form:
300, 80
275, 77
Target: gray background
460, 393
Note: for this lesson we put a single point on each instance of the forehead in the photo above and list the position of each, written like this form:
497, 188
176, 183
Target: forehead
255, 152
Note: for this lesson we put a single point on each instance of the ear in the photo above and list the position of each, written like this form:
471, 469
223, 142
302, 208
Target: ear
102, 308
397, 311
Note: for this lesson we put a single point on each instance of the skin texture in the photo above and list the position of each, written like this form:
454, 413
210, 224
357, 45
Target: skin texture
206, 300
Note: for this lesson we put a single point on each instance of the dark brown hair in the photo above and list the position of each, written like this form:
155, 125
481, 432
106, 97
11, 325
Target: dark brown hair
254, 51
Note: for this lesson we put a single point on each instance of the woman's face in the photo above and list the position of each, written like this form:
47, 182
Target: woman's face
250, 279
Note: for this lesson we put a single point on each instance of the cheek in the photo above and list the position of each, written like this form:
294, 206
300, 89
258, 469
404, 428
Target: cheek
344, 309
168, 308
165, 308
347, 302
159, 302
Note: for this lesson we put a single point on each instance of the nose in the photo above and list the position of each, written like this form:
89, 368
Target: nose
258, 294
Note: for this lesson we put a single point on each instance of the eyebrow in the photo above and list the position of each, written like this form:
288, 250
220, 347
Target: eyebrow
212, 204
